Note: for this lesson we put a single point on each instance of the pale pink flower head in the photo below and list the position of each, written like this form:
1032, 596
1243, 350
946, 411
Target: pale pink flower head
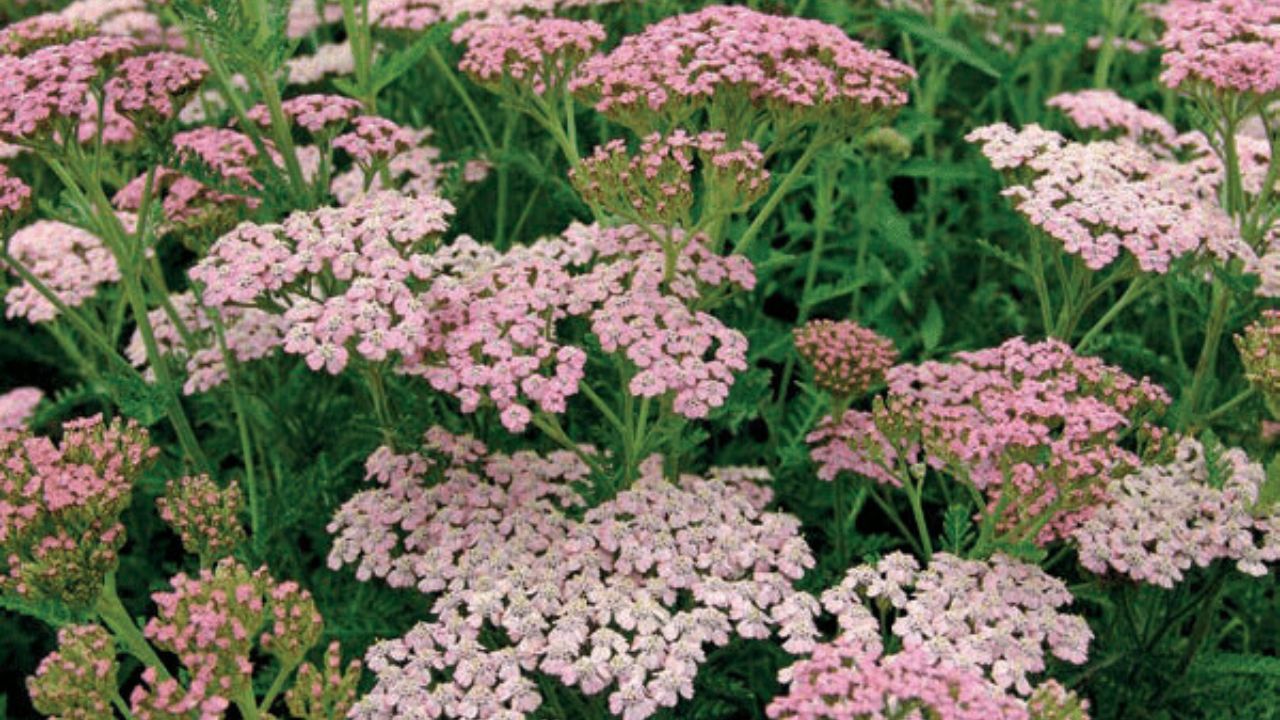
792, 67
78, 680
407, 16
1191, 511
319, 115
1104, 197
60, 506
847, 358
533, 55
373, 141
71, 262
851, 679
15, 195
1000, 617
17, 406
155, 85
1108, 113
1222, 45
330, 59
46, 92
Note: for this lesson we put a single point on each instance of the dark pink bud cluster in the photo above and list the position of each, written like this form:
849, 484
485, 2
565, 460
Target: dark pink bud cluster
656, 184
1101, 197
1000, 617
1226, 45
248, 334
78, 680
1034, 427
326, 691
28, 35
852, 679
373, 249
847, 359
15, 195
46, 91
1260, 352
17, 406
623, 601
373, 141
788, 65
204, 515
537, 55
212, 623
154, 85
1193, 510
69, 261
60, 505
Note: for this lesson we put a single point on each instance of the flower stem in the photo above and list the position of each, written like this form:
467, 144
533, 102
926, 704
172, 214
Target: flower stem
114, 615
744, 243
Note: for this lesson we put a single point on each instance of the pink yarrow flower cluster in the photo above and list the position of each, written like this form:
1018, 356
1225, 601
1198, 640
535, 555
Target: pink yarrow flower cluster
1260, 352
325, 691
1193, 510
78, 680
1103, 197
248, 334
154, 85
1001, 617
852, 679
415, 172
373, 249
847, 359
1107, 112
656, 184
622, 601
17, 406
790, 66
47, 90
15, 195
204, 516
1224, 45
60, 506
71, 262
317, 114
534, 54
30, 34
1034, 427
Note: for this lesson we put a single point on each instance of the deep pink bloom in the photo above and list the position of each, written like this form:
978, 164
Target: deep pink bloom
535, 54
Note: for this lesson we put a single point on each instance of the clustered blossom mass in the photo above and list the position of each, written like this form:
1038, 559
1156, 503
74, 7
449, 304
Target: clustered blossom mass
70, 262
1229, 45
847, 359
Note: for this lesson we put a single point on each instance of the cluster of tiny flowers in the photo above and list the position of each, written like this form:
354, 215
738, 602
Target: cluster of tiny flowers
127, 18
372, 141
1035, 427
46, 91
212, 623
847, 359
330, 59
1260, 353
656, 185
60, 505
1107, 112
999, 616
15, 195
1102, 197
371, 249
624, 600
534, 54
1194, 510
317, 114
851, 679
415, 172
78, 680
247, 333
324, 692
791, 66
17, 406
204, 516
154, 85
30, 34
496, 333
70, 262
1226, 45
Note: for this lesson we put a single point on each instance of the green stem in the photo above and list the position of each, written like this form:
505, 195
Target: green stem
464, 96
1135, 289
1041, 285
743, 246
917, 511
276, 686
242, 430
1226, 407
282, 135
504, 184
114, 615
1208, 352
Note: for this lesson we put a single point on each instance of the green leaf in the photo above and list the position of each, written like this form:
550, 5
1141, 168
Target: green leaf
140, 400
388, 70
932, 327
957, 529
945, 45
1239, 664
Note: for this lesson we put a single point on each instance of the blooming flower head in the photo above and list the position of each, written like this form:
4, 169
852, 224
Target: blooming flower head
415, 172
17, 406
78, 679
1222, 45
1000, 616
851, 679
60, 505
656, 184
15, 195
373, 141
847, 359
38, 31
69, 261
1196, 509
1033, 426
204, 516
622, 601
1107, 112
45, 91
536, 55
329, 59
792, 68
1102, 197
154, 85
317, 114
